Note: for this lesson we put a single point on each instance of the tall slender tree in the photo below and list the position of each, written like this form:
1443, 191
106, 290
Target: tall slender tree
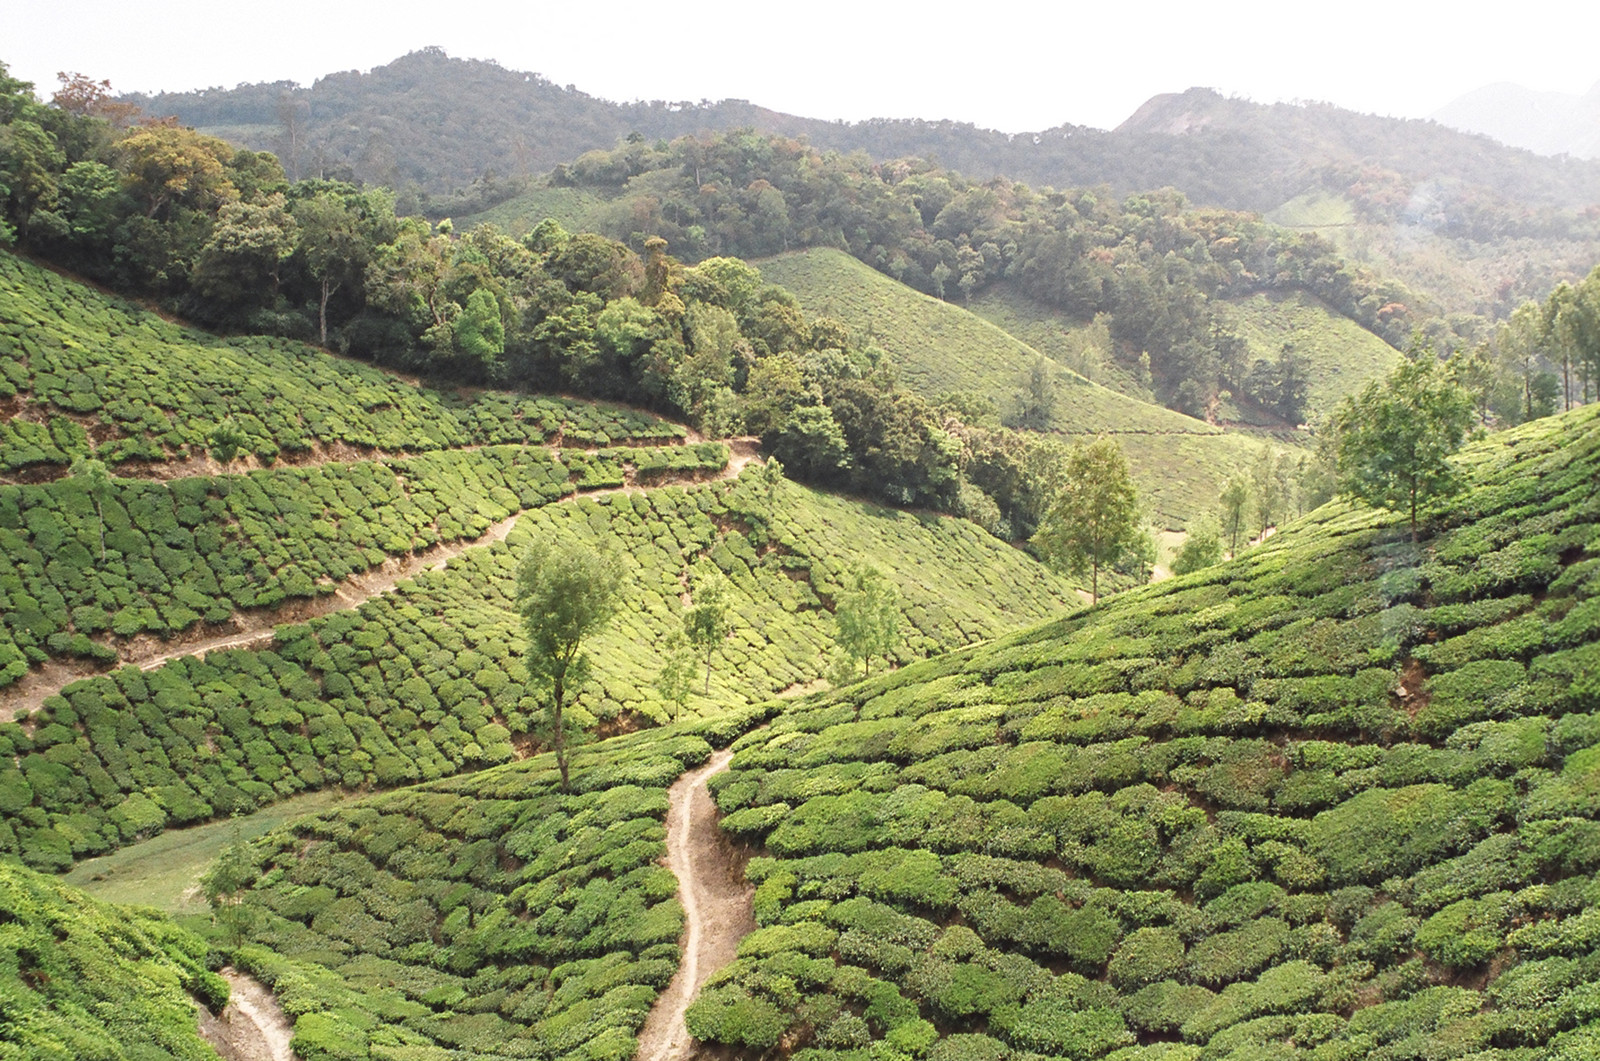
566, 592
1095, 514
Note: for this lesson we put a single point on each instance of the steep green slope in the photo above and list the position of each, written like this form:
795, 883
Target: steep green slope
81, 372
938, 347
428, 681
1333, 800
1179, 463
85, 981
1339, 355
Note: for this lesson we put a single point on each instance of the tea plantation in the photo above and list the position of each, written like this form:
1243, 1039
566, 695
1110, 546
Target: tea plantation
78, 573
1334, 800
483, 917
85, 981
428, 681
83, 373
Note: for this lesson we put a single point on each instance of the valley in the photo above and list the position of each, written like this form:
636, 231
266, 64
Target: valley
1151, 613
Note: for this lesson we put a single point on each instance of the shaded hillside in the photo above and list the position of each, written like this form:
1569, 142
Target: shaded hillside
1334, 799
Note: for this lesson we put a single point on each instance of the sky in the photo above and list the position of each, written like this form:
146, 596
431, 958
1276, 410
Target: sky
997, 65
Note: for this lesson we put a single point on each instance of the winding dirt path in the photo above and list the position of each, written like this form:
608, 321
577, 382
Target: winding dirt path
716, 907
252, 1027
253, 627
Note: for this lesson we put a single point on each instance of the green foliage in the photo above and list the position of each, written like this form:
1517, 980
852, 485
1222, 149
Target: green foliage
83, 979
1288, 805
1094, 515
566, 593
866, 617
1391, 441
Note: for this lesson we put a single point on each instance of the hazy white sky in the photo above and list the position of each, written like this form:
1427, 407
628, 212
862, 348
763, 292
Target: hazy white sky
1010, 66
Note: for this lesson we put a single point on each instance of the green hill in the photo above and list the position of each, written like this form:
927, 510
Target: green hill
938, 347
82, 980
1180, 463
1340, 356
1335, 799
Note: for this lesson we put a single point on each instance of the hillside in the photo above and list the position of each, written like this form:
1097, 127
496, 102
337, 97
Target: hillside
81, 979
1334, 799
1339, 355
1179, 463
187, 637
1456, 215
938, 347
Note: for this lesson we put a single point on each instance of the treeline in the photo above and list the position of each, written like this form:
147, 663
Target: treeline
1544, 358
1149, 261
222, 236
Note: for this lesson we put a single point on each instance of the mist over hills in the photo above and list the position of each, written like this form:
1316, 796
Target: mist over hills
1550, 123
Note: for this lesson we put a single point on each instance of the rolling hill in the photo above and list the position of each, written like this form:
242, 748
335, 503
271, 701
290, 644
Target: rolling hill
1179, 463
1332, 799
1476, 225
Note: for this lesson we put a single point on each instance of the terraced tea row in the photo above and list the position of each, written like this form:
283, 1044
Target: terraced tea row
82, 373
1334, 800
428, 681
86, 569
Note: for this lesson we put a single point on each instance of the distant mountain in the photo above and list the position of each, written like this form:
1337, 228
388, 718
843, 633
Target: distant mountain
1475, 223
1550, 123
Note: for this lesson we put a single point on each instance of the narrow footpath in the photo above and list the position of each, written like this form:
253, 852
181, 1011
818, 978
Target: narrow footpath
252, 1027
716, 907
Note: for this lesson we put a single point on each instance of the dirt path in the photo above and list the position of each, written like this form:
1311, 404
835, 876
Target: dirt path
252, 628
252, 1027
246, 629
716, 907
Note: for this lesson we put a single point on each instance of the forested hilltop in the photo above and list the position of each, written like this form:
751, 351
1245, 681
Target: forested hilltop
1475, 224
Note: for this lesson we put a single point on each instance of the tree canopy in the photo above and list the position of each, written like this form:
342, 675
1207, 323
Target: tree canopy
1095, 514
566, 593
1391, 442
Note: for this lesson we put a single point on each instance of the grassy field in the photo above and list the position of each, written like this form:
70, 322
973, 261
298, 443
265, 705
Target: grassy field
1340, 355
164, 871
939, 347
1334, 799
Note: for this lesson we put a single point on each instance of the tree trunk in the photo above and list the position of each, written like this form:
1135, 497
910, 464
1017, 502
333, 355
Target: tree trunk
708, 674
558, 694
1094, 584
322, 310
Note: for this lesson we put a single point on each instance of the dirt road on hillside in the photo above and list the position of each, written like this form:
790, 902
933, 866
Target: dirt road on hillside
716, 907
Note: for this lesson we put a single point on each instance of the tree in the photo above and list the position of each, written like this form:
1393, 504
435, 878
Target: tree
1391, 442
1266, 489
332, 245
1235, 498
706, 624
566, 593
224, 883
1094, 515
226, 440
866, 616
770, 477
1202, 549
677, 673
